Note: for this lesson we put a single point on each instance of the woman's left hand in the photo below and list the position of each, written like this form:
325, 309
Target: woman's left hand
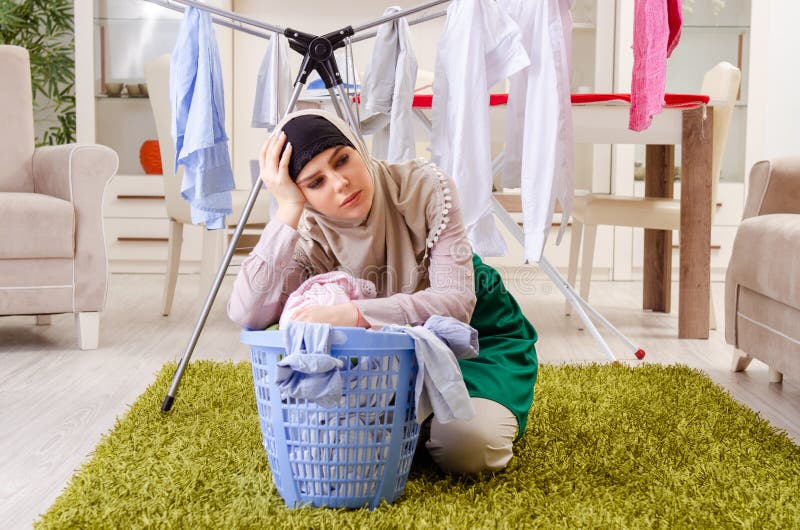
335, 315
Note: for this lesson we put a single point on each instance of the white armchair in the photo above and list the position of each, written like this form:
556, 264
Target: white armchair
52, 249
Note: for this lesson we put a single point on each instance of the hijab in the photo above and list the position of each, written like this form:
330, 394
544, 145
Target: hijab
390, 245
310, 134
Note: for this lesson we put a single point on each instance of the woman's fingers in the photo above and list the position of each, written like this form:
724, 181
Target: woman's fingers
285, 157
267, 147
275, 149
269, 158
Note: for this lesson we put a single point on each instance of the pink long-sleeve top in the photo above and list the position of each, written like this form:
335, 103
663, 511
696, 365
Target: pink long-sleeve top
270, 274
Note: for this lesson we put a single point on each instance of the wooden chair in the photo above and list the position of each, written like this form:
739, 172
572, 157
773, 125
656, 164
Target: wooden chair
721, 84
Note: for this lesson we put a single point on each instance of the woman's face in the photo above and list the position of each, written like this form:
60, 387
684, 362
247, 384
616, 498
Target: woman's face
337, 183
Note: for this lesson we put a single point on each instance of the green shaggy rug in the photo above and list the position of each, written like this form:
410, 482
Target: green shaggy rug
606, 446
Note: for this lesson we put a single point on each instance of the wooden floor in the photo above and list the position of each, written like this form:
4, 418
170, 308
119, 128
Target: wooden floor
56, 401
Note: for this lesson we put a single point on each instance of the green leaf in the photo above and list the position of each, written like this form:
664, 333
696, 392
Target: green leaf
45, 29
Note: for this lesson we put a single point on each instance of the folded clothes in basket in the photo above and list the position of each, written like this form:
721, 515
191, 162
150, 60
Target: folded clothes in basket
348, 417
324, 445
308, 371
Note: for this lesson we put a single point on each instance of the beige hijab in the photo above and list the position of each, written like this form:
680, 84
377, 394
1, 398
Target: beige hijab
390, 246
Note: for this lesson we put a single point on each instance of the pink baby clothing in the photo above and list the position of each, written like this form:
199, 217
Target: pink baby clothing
330, 288
656, 32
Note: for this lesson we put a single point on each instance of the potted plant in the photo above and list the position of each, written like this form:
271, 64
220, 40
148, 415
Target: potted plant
45, 29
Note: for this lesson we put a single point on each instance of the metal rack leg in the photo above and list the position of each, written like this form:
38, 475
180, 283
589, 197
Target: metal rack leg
637, 351
580, 306
212, 295
567, 291
166, 405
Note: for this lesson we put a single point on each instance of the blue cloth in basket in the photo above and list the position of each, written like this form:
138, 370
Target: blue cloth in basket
198, 121
309, 371
440, 387
458, 336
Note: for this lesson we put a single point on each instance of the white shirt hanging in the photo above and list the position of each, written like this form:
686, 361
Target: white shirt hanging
480, 46
274, 85
539, 152
388, 92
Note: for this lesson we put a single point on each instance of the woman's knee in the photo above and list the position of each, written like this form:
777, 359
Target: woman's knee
484, 443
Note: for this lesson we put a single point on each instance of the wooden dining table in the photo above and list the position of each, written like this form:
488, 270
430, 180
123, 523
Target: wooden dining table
691, 127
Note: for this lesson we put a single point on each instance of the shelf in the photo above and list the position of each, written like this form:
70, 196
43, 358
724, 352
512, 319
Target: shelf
584, 26
126, 98
745, 29
130, 19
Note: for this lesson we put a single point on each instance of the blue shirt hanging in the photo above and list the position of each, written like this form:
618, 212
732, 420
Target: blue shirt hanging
198, 121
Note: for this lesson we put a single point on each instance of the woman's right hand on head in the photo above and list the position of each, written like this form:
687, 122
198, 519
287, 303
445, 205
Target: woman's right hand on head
275, 176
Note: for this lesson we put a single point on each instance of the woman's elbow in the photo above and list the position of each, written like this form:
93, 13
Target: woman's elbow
243, 319
469, 303
459, 305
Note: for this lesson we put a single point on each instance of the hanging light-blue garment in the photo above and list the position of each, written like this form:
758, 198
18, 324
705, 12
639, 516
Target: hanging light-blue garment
198, 121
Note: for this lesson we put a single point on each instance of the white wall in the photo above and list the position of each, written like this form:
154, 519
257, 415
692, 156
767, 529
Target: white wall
782, 133
134, 33
773, 124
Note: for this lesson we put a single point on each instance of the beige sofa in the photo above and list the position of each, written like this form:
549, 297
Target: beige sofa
52, 250
762, 286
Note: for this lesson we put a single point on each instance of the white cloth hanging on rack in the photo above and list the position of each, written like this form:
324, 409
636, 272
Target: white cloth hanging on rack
480, 46
388, 92
539, 152
274, 85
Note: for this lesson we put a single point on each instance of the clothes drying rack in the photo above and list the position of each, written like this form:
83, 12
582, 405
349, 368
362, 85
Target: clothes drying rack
318, 55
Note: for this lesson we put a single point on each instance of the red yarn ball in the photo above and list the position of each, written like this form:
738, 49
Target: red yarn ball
150, 157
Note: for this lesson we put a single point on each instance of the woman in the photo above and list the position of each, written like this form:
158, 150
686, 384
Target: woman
400, 226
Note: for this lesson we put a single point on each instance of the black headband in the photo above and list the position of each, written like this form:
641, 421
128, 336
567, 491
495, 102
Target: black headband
310, 135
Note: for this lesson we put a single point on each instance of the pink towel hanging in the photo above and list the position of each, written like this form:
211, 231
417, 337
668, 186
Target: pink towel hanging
656, 32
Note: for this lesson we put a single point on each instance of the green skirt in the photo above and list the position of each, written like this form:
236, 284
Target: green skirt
506, 367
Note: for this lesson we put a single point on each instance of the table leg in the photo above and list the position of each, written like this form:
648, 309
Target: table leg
695, 245
657, 266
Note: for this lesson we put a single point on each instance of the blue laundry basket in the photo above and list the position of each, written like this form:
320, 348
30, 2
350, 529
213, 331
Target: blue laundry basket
352, 455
